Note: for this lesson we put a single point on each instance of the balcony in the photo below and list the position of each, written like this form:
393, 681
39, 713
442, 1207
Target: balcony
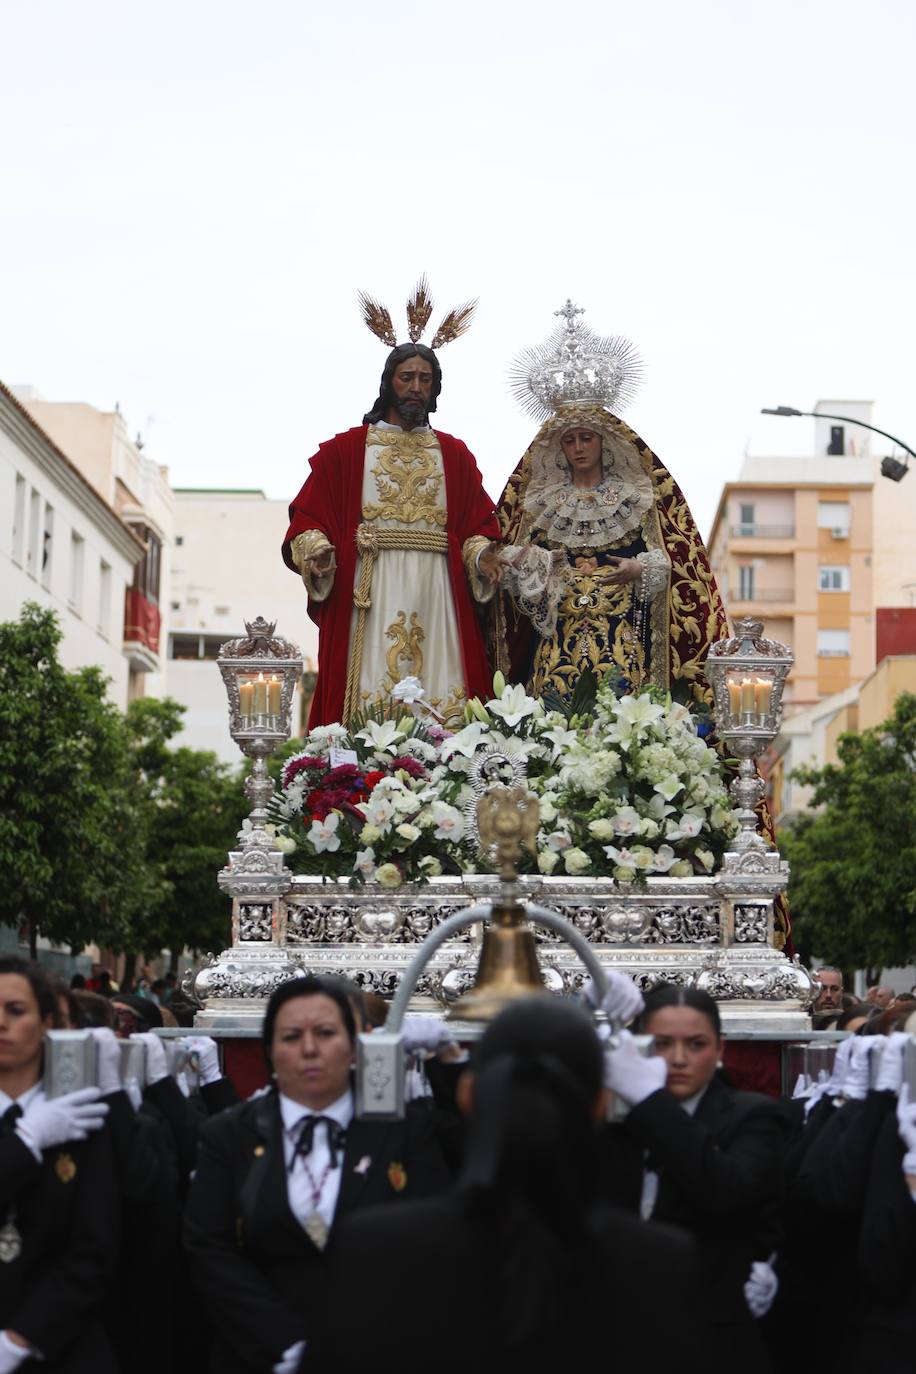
142, 623
762, 531
770, 595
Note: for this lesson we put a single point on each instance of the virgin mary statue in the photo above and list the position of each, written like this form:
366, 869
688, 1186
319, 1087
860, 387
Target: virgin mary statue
605, 569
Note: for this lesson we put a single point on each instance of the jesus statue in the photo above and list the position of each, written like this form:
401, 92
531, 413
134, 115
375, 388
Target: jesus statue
392, 535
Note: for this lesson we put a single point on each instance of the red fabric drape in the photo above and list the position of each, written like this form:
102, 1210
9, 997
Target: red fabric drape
331, 501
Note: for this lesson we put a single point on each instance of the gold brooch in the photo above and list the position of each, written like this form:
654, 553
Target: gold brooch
397, 1176
65, 1168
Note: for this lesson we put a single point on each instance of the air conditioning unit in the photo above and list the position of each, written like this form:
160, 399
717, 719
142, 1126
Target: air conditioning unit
839, 532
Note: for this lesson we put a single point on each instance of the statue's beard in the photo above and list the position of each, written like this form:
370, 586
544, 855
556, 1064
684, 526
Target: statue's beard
413, 413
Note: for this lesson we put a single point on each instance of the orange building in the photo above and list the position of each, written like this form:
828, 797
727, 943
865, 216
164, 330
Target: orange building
815, 547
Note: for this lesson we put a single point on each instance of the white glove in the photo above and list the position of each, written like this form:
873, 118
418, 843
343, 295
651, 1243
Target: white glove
58, 1119
855, 1088
818, 1090
840, 1066
890, 1074
906, 1127
157, 1066
207, 1057
11, 1355
425, 1033
108, 1060
761, 1288
134, 1092
289, 1361
804, 1087
622, 1000
630, 1074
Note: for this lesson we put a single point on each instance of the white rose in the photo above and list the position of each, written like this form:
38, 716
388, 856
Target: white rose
286, 844
430, 866
548, 860
407, 832
547, 809
682, 869
648, 828
389, 875
642, 856
601, 829
624, 874
576, 861
370, 834
706, 858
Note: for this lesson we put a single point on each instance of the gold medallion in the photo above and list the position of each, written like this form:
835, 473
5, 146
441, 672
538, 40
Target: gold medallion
65, 1168
397, 1176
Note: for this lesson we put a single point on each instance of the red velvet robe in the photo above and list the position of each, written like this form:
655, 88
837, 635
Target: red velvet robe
331, 501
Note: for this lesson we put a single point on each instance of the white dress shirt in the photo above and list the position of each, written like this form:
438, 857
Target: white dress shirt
649, 1195
299, 1187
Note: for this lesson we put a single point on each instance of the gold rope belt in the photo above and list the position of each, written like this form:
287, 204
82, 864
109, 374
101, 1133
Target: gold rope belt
370, 542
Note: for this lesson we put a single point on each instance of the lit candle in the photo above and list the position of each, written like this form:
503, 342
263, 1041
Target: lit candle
246, 694
762, 695
273, 697
748, 700
734, 698
260, 696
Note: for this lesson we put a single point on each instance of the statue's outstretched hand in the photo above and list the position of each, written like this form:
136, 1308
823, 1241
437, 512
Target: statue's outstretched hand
490, 565
324, 562
622, 571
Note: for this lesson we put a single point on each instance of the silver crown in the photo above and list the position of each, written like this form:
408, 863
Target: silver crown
575, 366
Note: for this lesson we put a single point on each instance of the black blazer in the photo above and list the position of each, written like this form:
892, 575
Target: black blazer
260, 1275
887, 1258
67, 1212
414, 1287
720, 1178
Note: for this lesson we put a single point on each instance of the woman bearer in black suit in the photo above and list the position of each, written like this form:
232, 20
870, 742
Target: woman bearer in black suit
59, 1200
695, 1152
276, 1174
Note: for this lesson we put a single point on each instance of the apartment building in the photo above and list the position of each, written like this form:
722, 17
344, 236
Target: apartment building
816, 546
65, 547
226, 569
97, 444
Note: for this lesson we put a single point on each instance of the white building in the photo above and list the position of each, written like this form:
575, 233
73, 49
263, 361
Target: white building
98, 445
63, 546
226, 570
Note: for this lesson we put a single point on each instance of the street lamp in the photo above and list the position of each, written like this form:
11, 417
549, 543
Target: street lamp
890, 467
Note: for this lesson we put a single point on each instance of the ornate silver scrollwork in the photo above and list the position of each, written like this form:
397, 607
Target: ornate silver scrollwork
751, 925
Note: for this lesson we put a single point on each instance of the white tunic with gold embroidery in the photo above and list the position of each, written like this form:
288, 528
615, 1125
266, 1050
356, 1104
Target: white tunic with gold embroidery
410, 627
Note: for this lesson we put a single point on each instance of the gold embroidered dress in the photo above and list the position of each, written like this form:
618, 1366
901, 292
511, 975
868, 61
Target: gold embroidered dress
564, 540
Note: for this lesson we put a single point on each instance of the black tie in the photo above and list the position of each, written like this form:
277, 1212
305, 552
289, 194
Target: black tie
10, 1117
336, 1138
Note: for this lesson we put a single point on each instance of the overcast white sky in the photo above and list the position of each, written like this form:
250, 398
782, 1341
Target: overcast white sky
193, 191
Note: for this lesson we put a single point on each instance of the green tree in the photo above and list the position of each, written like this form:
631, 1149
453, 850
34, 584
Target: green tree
71, 827
193, 807
852, 889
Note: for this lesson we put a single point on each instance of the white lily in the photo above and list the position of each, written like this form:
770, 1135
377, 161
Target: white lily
464, 741
668, 787
381, 735
513, 706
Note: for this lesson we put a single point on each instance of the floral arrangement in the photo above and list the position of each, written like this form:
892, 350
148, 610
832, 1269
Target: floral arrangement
627, 788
